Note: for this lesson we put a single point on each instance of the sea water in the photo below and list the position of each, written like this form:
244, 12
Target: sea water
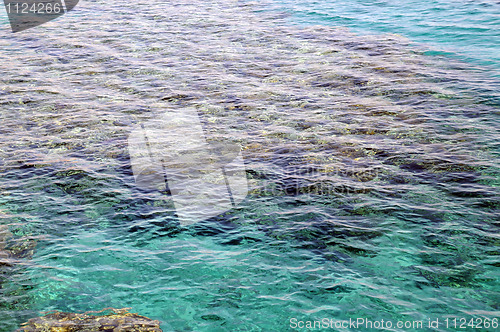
371, 158
463, 29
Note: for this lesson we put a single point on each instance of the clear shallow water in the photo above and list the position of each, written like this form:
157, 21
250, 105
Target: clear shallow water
373, 170
464, 29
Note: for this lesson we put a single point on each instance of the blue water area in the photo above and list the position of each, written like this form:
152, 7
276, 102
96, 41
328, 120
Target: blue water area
465, 29
371, 161
3, 18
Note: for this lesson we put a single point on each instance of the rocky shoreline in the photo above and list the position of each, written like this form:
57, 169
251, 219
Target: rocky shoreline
116, 320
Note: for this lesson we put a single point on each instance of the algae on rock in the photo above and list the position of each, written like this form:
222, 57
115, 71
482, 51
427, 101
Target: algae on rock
118, 320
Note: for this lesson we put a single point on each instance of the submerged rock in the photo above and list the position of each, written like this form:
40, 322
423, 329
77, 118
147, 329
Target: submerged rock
13, 249
118, 320
4, 234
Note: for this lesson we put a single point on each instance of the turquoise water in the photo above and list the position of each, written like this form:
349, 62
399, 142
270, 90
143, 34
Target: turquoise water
372, 167
457, 28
